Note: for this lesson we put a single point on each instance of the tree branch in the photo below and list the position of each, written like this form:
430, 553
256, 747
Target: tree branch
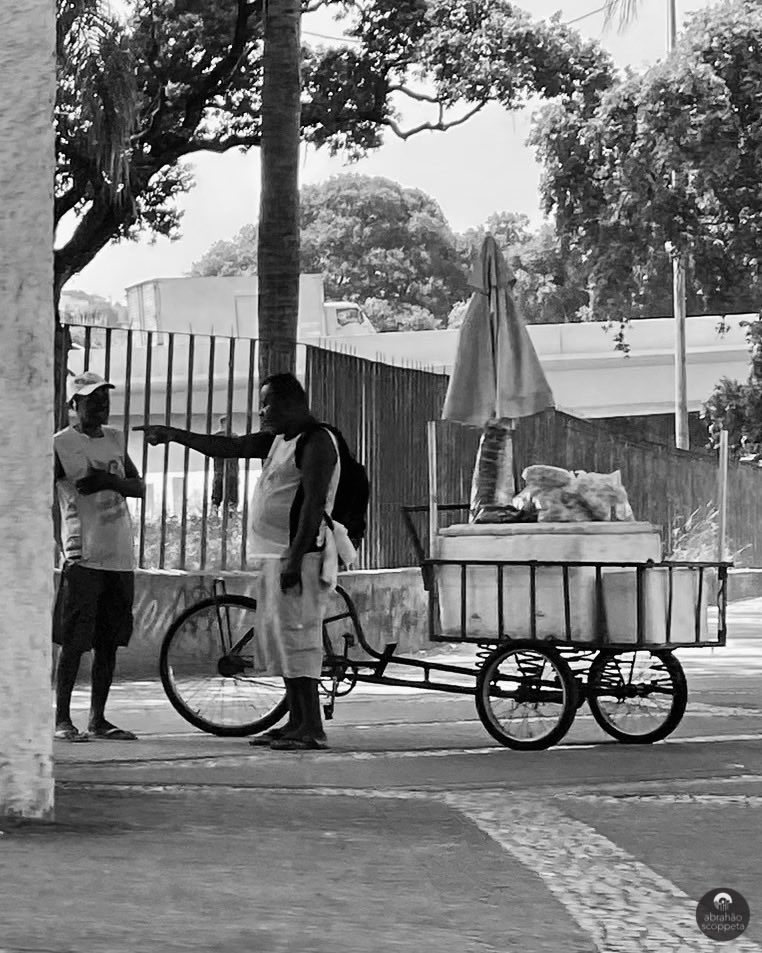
412, 94
440, 126
94, 231
227, 64
65, 203
220, 145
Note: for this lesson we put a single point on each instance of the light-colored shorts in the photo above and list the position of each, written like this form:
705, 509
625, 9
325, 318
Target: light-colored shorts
292, 633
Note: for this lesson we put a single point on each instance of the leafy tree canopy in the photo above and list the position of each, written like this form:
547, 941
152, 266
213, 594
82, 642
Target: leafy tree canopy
175, 77
372, 238
737, 407
609, 164
369, 238
550, 288
234, 256
391, 249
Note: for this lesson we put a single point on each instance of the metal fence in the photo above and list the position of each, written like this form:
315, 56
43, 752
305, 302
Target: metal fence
189, 381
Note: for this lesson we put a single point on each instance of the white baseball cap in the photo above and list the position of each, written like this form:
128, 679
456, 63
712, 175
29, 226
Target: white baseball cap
83, 384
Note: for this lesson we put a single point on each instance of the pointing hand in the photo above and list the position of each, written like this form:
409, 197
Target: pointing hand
155, 433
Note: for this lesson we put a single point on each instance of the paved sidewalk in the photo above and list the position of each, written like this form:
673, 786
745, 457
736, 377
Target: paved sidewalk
414, 833
236, 870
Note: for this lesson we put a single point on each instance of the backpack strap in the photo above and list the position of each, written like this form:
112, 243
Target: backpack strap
304, 436
296, 506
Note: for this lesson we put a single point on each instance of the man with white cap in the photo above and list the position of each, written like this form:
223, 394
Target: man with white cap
93, 475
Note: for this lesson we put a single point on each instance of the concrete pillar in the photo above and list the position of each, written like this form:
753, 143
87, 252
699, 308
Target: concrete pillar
27, 164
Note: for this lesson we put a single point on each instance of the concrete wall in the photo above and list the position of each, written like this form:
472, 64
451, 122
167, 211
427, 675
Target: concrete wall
391, 603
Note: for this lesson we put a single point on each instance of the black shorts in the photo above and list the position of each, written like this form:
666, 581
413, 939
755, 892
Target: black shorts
93, 608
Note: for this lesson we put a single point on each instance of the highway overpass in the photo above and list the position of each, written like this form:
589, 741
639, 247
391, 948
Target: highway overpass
587, 375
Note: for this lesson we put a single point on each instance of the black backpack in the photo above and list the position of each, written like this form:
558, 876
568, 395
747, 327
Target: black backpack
353, 492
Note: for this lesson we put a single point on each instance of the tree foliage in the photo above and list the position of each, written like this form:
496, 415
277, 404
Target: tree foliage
176, 77
608, 170
231, 256
737, 407
372, 238
549, 287
392, 250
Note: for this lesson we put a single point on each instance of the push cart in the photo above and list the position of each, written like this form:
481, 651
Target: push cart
533, 669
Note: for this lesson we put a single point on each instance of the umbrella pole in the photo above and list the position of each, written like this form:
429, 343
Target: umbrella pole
431, 440
505, 488
723, 495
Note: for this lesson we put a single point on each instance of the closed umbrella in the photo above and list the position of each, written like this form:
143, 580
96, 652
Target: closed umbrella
497, 376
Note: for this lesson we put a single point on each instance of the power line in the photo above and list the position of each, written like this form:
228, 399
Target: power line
325, 36
592, 13
351, 39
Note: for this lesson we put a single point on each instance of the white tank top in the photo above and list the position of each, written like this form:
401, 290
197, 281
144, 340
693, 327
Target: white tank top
96, 530
274, 494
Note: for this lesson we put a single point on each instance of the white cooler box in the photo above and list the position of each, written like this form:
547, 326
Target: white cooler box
603, 543
620, 602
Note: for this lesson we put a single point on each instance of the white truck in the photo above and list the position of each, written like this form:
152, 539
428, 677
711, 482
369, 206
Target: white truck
228, 306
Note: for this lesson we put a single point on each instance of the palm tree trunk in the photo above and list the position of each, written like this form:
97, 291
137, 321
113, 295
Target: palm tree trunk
27, 164
278, 252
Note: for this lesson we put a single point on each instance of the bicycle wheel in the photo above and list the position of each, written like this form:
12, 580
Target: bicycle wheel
526, 696
637, 697
212, 669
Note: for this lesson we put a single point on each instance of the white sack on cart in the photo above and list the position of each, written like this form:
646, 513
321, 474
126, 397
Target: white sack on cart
546, 478
604, 494
563, 496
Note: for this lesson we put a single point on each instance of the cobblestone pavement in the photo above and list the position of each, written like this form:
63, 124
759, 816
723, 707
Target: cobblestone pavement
182, 868
623, 904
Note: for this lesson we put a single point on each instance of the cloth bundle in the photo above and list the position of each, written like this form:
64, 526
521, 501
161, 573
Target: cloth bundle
565, 496
338, 550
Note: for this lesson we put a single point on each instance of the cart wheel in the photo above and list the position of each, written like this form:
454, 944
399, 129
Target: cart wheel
637, 697
526, 696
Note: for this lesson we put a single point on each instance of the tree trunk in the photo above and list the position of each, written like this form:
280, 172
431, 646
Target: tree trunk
278, 250
62, 346
27, 166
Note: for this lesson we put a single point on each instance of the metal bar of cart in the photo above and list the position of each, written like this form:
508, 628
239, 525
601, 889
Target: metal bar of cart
603, 637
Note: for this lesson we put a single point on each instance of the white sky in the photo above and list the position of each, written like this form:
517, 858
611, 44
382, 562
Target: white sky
473, 170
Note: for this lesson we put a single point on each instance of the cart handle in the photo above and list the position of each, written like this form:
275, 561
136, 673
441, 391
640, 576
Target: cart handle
415, 537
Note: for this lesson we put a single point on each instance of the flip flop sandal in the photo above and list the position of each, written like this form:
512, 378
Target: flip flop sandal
113, 734
299, 744
266, 738
70, 734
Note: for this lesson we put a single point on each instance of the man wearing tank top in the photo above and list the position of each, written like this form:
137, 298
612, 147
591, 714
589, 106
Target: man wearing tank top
285, 523
93, 478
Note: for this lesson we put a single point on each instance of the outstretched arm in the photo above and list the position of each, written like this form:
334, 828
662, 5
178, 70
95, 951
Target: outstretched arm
252, 445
